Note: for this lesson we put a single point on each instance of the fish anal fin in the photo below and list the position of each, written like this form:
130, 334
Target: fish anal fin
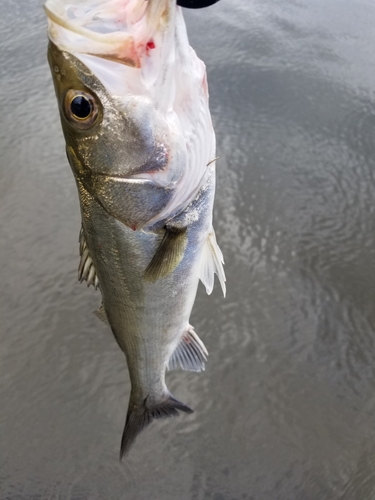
139, 417
212, 263
168, 255
190, 354
86, 268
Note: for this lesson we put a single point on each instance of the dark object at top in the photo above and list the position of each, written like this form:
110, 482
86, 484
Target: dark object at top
195, 4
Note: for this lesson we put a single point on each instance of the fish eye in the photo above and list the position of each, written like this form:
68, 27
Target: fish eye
81, 108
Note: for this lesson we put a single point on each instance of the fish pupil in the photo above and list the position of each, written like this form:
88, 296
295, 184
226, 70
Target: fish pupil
80, 107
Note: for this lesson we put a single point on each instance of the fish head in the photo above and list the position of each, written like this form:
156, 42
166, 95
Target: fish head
132, 97
114, 144
104, 132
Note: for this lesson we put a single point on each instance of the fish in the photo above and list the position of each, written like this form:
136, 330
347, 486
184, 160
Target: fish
133, 103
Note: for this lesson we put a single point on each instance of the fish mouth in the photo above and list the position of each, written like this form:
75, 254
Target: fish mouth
154, 170
114, 30
58, 16
140, 179
75, 34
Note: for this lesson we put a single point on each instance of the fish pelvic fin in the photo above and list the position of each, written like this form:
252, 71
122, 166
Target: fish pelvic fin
140, 416
168, 255
212, 263
190, 354
86, 268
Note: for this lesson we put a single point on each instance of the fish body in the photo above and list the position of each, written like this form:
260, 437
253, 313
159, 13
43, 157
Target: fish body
133, 103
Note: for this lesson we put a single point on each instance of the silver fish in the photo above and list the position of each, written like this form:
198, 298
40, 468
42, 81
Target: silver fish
133, 103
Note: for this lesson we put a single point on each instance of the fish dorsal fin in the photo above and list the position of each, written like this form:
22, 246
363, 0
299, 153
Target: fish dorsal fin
101, 314
212, 263
86, 268
190, 354
168, 255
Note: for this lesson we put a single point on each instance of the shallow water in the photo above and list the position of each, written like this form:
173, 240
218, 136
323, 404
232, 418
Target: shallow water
286, 407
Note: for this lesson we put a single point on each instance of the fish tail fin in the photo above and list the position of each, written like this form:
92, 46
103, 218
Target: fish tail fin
140, 416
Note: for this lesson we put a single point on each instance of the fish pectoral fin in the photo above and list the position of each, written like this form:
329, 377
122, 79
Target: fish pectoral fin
86, 268
190, 354
168, 255
101, 314
140, 416
212, 263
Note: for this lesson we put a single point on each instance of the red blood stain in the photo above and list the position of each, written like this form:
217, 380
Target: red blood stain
133, 227
150, 45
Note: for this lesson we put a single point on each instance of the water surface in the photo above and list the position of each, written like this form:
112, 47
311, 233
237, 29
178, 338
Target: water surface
286, 407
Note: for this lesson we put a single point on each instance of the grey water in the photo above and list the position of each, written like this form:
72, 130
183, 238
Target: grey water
286, 407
